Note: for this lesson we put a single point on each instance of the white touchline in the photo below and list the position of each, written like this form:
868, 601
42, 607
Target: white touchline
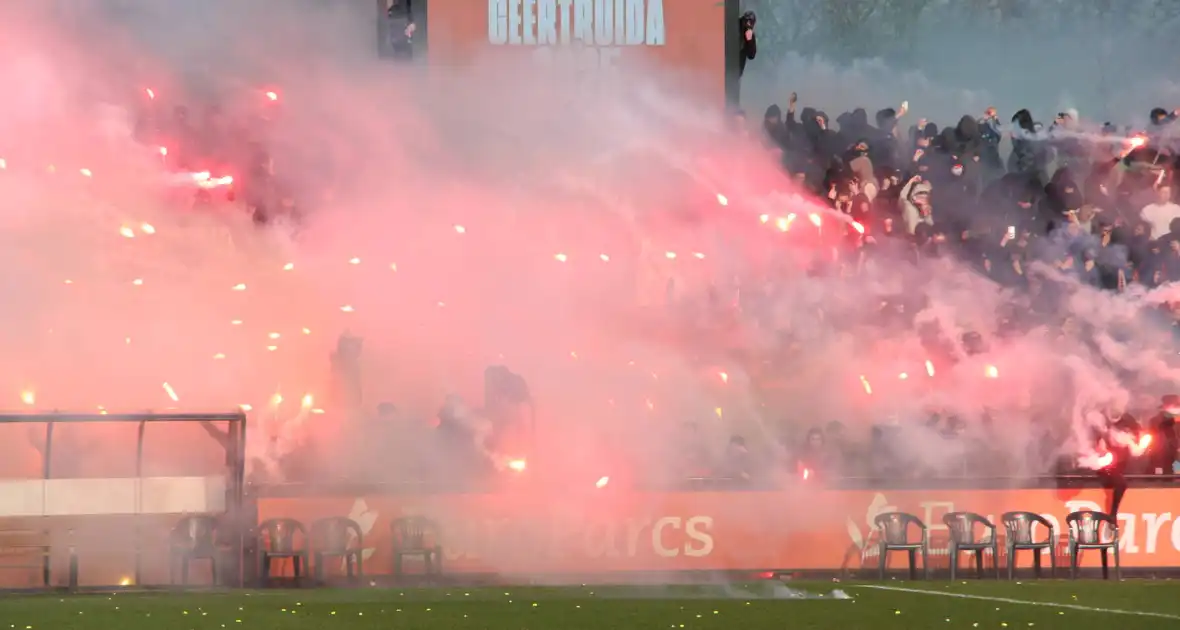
1023, 602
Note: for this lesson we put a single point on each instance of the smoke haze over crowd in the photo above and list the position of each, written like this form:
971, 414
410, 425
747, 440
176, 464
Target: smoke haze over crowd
466, 217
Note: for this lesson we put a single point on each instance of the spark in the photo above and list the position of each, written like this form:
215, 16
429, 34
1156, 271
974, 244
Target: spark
717, 411
815, 219
698, 255
271, 348
245, 407
241, 286
670, 255
460, 229
724, 377
722, 199
273, 96
137, 282
288, 266
991, 372
163, 151
125, 582
602, 481
354, 261
307, 331
347, 308
903, 376
604, 257
864, 382
219, 355
764, 218
393, 266
3, 164
276, 400
147, 228
150, 93
127, 232
86, 172
517, 465
806, 474
560, 257
308, 401
858, 227
28, 397
273, 335
929, 367
1138, 448
235, 322
171, 392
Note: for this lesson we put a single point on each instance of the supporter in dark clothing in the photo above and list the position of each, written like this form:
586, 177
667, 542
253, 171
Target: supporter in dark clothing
823, 142
1030, 152
815, 458
739, 464
883, 146
990, 135
1166, 267
749, 40
399, 30
1165, 441
1116, 440
775, 134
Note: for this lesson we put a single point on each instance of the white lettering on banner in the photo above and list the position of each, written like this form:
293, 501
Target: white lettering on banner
699, 534
1152, 523
500, 540
932, 519
657, 536
587, 34
695, 528
1127, 533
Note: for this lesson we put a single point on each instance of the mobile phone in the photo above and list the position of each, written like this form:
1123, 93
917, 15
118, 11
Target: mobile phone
1011, 231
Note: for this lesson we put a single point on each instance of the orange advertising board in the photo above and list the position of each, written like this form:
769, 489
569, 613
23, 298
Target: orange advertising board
512, 533
685, 38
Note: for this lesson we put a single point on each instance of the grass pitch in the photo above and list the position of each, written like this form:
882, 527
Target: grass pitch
1080, 605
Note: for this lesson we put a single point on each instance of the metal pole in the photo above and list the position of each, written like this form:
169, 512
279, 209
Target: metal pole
47, 453
139, 434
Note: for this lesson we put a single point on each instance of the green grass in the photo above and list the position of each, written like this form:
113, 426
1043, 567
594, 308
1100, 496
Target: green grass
612, 608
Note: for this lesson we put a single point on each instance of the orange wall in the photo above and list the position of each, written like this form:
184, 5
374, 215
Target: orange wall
518, 533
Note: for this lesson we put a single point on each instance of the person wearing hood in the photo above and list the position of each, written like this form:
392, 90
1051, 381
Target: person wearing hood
1160, 123
824, 142
883, 148
854, 126
749, 40
1030, 151
1063, 197
774, 130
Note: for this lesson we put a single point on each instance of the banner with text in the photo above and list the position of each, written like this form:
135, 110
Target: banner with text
808, 529
593, 38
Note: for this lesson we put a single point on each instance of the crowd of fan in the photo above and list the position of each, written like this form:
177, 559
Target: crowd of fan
1097, 204
1092, 202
